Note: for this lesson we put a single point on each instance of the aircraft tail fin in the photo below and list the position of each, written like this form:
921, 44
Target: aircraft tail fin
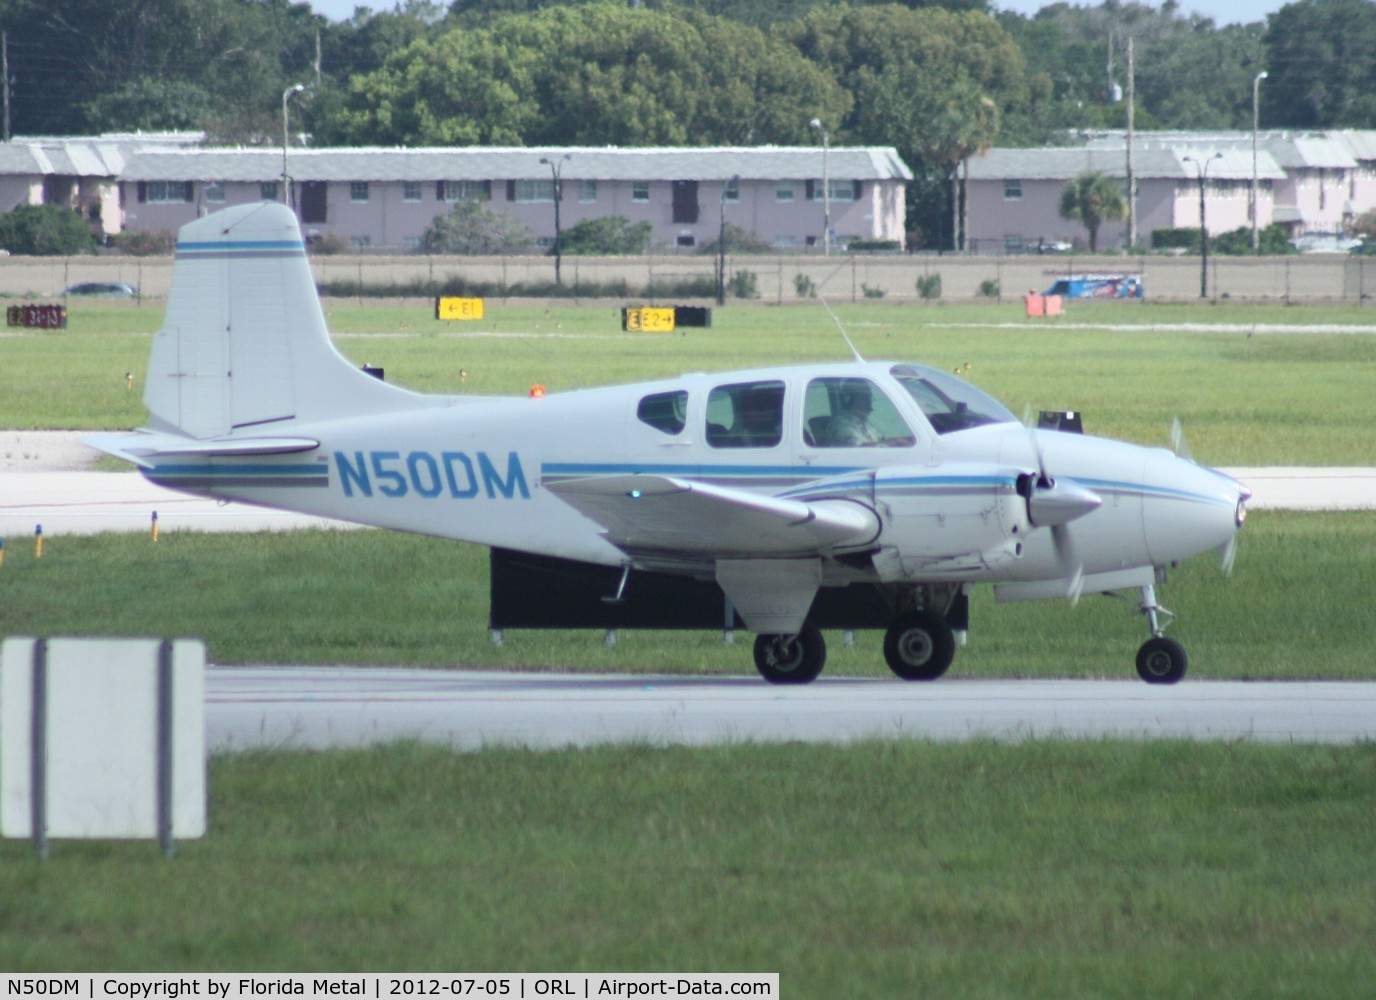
244, 348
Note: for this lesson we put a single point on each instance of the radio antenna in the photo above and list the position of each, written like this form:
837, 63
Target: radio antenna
835, 319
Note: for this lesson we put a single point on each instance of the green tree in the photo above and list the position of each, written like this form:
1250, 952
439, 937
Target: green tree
933, 83
45, 231
1321, 57
473, 229
1092, 199
610, 235
592, 74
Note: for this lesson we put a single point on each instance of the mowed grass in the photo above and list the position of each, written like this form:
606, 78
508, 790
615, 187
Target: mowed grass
885, 869
1300, 398
1297, 606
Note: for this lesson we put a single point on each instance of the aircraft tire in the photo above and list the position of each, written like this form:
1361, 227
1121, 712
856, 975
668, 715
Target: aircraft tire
1162, 661
790, 659
919, 646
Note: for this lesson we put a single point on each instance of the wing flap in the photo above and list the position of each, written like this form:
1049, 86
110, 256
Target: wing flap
657, 514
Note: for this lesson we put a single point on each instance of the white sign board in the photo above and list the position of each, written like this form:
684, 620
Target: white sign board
119, 726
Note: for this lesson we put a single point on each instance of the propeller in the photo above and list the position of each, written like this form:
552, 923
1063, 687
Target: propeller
1227, 556
1052, 504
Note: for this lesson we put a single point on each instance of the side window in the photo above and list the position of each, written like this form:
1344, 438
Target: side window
852, 412
664, 411
746, 415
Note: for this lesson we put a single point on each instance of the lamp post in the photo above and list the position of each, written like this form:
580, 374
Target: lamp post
556, 167
1256, 103
295, 88
726, 188
826, 187
1201, 170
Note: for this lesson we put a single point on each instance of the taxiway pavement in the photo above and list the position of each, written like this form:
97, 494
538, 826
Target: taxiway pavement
319, 707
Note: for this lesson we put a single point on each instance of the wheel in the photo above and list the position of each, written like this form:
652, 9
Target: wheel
919, 646
1161, 661
791, 659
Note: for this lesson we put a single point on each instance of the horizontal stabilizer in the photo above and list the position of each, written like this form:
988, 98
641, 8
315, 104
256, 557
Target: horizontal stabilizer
142, 448
657, 514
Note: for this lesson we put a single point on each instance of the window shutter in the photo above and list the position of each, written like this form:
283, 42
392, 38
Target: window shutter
510, 190
143, 192
439, 190
487, 190
811, 195
859, 186
188, 192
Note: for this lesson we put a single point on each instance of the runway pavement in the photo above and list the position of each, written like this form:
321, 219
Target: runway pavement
340, 707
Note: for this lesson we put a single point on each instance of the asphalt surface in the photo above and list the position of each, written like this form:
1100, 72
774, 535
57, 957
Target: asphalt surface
320, 707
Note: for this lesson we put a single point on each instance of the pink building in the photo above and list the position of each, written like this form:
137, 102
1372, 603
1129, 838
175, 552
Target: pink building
386, 198
1310, 182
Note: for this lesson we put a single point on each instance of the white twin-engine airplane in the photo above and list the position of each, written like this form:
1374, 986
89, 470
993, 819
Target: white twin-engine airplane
850, 495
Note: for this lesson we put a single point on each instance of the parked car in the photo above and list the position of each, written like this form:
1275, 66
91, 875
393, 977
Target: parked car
104, 289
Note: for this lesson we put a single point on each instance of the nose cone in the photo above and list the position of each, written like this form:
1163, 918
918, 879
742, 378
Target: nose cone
1188, 509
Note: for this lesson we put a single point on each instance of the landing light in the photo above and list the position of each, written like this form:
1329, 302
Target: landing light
537, 391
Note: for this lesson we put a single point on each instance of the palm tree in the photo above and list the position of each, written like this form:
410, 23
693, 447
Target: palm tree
1093, 198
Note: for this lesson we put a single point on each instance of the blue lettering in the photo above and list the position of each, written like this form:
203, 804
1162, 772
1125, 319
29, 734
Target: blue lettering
398, 489
414, 463
471, 490
515, 478
422, 474
351, 475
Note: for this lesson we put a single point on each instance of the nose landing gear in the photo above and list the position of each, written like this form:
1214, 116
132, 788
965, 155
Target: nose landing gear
1160, 660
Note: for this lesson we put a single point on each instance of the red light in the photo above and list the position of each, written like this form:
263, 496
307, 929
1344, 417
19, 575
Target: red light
537, 391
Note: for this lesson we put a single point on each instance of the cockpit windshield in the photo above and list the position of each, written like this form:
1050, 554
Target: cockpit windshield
950, 404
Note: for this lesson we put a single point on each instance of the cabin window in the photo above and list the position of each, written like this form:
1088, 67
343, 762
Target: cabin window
664, 411
852, 413
746, 415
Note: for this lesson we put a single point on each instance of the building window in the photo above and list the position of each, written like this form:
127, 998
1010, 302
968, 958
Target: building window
640, 191
839, 190
687, 240
411, 243
360, 242
267, 190
731, 193
358, 191
214, 192
587, 191
169, 192
1012, 189
535, 190
410, 191
1013, 243
783, 191
459, 191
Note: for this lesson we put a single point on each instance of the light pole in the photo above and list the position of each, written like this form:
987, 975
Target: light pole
1256, 103
1202, 171
826, 187
556, 167
295, 88
727, 187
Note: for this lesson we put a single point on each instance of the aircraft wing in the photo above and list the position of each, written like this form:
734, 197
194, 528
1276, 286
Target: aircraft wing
664, 514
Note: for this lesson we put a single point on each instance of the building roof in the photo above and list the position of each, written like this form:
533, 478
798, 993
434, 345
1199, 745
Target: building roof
1149, 161
489, 163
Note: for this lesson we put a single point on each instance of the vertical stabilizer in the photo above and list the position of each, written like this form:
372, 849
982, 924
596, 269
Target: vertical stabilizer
244, 344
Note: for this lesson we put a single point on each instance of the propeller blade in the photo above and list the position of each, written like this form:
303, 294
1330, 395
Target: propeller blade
1178, 445
1227, 556
1077, 585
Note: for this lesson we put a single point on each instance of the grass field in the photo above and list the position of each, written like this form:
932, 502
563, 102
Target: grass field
894, 869
1267, 398
1297, 606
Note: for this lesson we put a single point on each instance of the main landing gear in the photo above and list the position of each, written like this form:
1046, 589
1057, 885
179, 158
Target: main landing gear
918, 646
